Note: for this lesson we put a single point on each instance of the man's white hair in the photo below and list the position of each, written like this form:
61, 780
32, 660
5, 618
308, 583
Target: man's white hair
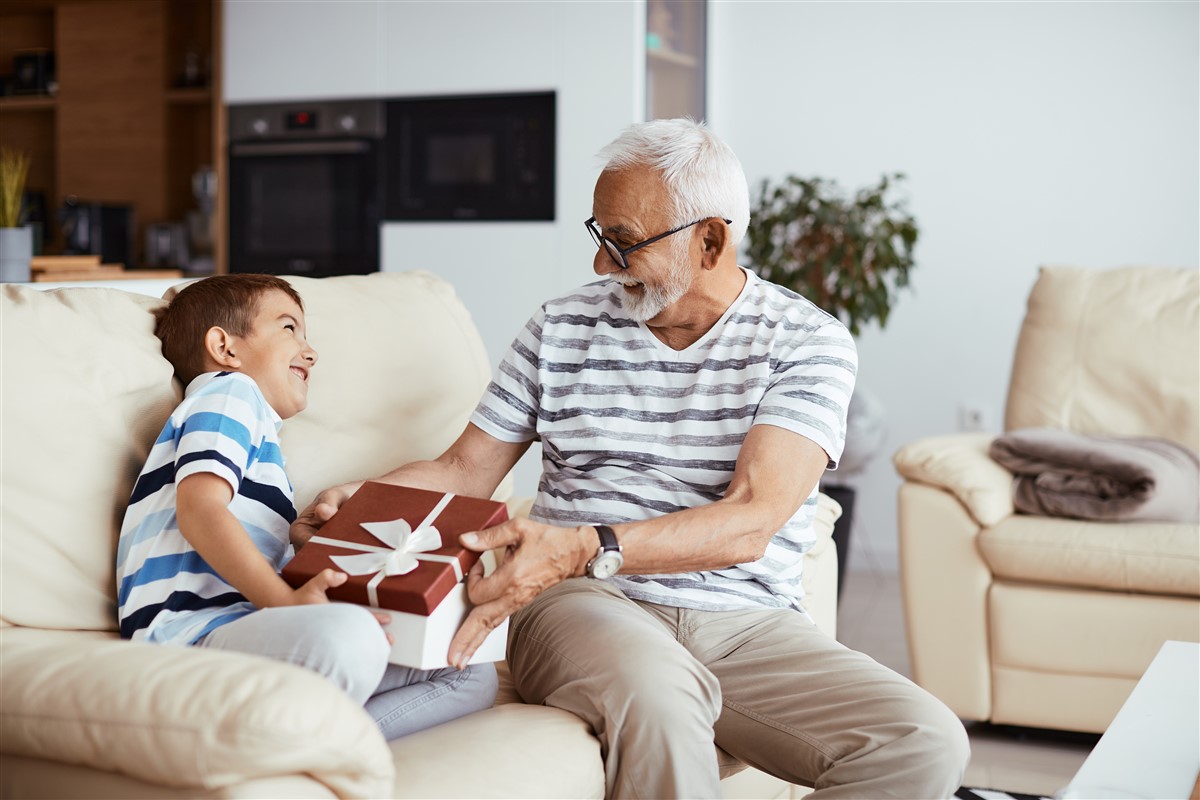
702, 175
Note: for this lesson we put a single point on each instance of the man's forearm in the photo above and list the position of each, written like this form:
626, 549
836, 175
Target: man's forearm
441, 475
776, 472
474, 466
714, 536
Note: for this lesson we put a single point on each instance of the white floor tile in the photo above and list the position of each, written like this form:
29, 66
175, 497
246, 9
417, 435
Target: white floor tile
1026, 762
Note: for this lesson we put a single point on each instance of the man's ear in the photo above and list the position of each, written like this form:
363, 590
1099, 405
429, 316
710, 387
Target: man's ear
714, 235
219, 348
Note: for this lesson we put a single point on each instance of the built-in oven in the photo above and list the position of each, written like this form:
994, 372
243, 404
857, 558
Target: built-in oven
471, 157
305, 187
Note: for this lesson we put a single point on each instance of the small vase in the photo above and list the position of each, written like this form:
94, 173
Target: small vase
16, 251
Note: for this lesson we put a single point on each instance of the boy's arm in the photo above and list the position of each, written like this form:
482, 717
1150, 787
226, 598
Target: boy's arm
202, 510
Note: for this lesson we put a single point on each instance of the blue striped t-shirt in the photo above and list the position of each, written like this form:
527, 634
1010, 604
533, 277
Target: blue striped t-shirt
632, 429
166, 592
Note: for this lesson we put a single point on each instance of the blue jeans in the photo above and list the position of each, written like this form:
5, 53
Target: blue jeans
346, 644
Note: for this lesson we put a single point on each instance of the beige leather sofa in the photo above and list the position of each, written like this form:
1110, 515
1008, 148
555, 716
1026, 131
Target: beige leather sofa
84, 392
1042, 622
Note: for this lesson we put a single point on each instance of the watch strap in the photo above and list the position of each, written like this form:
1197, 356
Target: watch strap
608, 558
608, 537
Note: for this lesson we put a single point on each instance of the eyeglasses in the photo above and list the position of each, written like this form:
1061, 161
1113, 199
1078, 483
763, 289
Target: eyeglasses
618, 254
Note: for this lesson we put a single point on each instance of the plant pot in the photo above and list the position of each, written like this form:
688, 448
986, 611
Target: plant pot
16, 251
844, 497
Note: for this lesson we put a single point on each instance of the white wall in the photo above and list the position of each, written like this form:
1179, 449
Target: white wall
1031, 133
588, 51
301, 50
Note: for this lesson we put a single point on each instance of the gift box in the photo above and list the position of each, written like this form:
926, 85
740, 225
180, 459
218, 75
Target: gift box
399, 547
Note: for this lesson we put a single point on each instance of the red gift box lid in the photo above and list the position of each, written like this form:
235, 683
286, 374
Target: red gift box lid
419, 591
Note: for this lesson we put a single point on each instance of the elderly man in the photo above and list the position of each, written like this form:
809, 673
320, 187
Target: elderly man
686, 411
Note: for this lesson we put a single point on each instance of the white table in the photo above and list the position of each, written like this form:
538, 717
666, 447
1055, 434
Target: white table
1152, 747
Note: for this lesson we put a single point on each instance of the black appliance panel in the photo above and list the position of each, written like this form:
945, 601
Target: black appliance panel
471, 158
305, 193
33, 72
97, 228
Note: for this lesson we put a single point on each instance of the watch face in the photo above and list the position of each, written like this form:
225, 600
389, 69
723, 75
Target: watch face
606, 564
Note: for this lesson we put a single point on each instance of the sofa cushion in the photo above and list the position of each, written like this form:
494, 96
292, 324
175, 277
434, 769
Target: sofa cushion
381, 395
40, 778
182, 717
1114, 352
511, 750
85, 393
1067, 658
1148, 557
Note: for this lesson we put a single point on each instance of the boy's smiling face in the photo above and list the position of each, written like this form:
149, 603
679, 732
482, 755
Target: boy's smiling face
276, 353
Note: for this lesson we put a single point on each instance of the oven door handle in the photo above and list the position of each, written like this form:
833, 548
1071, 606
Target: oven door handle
298, 148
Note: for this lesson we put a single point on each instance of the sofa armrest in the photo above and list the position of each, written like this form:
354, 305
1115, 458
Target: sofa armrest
960, 464
820, 574
182, 717
944, 585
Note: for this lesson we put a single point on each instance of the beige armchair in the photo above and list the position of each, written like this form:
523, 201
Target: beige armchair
1043, 622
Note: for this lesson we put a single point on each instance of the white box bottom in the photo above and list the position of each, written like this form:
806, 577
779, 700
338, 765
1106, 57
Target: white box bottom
424, 642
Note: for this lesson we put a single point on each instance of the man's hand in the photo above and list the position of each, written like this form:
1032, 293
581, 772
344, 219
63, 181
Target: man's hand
318, 512
537, 557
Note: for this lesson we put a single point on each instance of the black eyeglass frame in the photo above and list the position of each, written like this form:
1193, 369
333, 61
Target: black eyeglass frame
601, 240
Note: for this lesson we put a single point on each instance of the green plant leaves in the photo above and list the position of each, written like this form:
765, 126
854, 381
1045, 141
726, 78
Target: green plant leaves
847, 255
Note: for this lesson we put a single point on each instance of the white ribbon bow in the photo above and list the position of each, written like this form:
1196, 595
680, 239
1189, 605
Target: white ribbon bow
404, 548
399, 557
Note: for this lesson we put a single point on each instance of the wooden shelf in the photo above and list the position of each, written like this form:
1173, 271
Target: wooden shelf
107, 272
118, 59
32, 102
672, 57
199, 95
29, 6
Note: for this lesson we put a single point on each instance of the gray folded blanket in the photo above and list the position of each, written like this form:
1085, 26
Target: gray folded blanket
1064, 474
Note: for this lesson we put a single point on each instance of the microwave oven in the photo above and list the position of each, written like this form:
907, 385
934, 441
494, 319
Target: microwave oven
472, 157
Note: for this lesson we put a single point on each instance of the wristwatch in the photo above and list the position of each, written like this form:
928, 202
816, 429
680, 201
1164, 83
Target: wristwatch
608, 558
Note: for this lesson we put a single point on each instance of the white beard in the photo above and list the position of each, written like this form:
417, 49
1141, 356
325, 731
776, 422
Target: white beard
653, 300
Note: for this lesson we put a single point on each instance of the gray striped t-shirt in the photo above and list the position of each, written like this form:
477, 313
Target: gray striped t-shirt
631, 429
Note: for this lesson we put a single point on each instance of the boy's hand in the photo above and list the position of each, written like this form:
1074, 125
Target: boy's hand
318, 512
313, 591
383, 619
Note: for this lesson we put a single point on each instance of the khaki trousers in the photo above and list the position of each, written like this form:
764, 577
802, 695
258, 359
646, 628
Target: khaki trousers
660, 686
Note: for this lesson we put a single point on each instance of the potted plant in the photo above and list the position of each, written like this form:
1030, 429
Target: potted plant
850, 255
16, 241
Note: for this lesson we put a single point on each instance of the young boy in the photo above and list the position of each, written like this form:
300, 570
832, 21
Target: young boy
206, 531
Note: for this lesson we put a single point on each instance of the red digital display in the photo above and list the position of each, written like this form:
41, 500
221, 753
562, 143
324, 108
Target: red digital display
302, 120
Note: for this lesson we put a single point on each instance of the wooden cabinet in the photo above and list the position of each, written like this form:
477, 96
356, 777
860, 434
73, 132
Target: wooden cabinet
121, 126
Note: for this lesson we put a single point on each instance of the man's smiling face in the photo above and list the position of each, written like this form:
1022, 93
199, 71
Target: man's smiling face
630, 206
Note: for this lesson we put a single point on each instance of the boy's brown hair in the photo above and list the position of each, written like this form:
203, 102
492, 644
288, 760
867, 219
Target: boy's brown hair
225, 301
